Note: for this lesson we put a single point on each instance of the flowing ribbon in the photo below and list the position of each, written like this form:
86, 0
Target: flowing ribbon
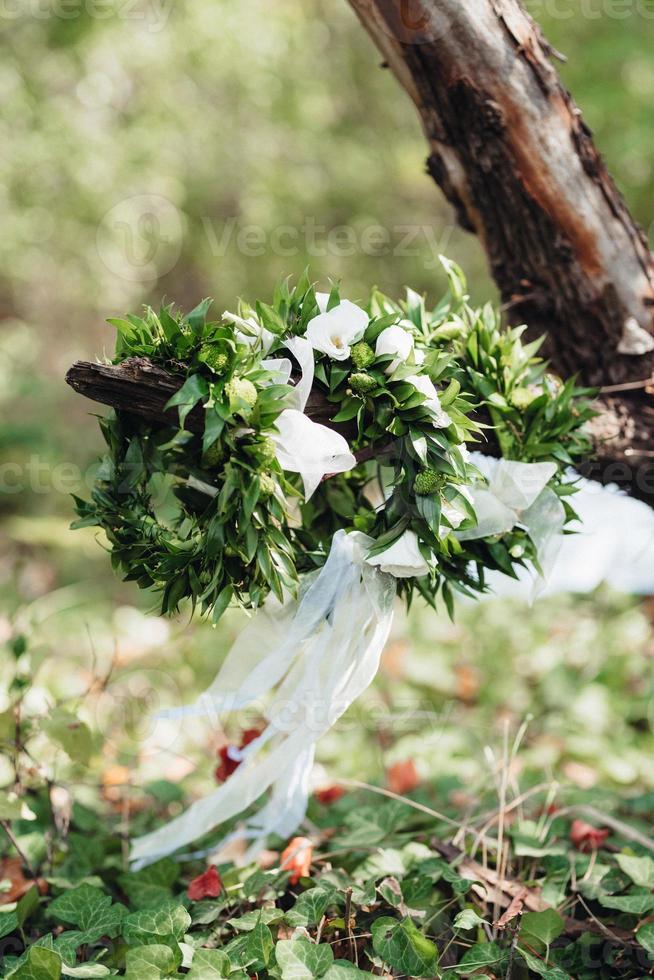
517, 493
311, 658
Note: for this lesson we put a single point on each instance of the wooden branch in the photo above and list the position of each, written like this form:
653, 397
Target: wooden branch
510, 151
141, 388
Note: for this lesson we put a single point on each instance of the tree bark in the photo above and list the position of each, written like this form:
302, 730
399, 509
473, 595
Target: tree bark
510, 151
142, 388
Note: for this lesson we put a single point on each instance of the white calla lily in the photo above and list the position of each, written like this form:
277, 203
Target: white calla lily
432, 403
310, 449
322, 299
394, 340
334, 331
250, 331
403, 559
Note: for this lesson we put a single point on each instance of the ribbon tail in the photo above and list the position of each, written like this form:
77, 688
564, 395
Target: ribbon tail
343, 621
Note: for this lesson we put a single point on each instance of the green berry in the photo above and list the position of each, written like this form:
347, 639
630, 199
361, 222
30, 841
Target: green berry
361, 383
362, 355
240, 389
267, 485
427, 482
521, 398
267, 452
214, 358
213, 456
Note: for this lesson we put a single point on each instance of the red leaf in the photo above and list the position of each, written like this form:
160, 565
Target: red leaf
587, 838
402, 777
297, 858
329, 794
228, 765
206, 885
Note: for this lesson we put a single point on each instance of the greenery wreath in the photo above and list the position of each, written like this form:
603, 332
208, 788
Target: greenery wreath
252, 503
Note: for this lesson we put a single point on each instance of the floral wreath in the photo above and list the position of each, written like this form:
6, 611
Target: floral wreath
264, 504
258, 496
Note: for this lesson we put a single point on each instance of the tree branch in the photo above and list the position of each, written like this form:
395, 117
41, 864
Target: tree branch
510, 151
140, 387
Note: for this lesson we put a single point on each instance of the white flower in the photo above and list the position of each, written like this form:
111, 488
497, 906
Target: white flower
310, 449
322, 299
403, 559
394, 340
251, 332
426, 386
332, 333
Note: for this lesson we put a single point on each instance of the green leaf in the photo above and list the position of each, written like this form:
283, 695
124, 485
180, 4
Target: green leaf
12, 807
209, 964
344, 970
639, 869
467, 919
71, 734
300, 959
152, 962
90, 910
478, 957
311, 906
197, 317
645, 936
260, 944
539, 966
194, 388
545, 926
170, 920
634, 904
151, 886
403, 946
40, 964
27, 904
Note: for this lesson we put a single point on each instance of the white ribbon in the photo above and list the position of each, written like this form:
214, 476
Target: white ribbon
319, 654
517, 493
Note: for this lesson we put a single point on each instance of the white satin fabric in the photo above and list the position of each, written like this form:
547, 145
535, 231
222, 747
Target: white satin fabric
517, 493
309, 659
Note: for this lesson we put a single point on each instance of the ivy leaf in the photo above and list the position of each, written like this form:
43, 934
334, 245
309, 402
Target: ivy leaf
639, 869
152, 962
634, 904
79, 904
344, 970
480, 956
545, 926
260, 944
541, 968
152, 885
39, 964
467, 919
311, 906
645, 936
169, 920
403, 946
300, 959
209, 964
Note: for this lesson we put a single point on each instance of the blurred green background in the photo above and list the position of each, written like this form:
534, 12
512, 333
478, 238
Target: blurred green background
152, 149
